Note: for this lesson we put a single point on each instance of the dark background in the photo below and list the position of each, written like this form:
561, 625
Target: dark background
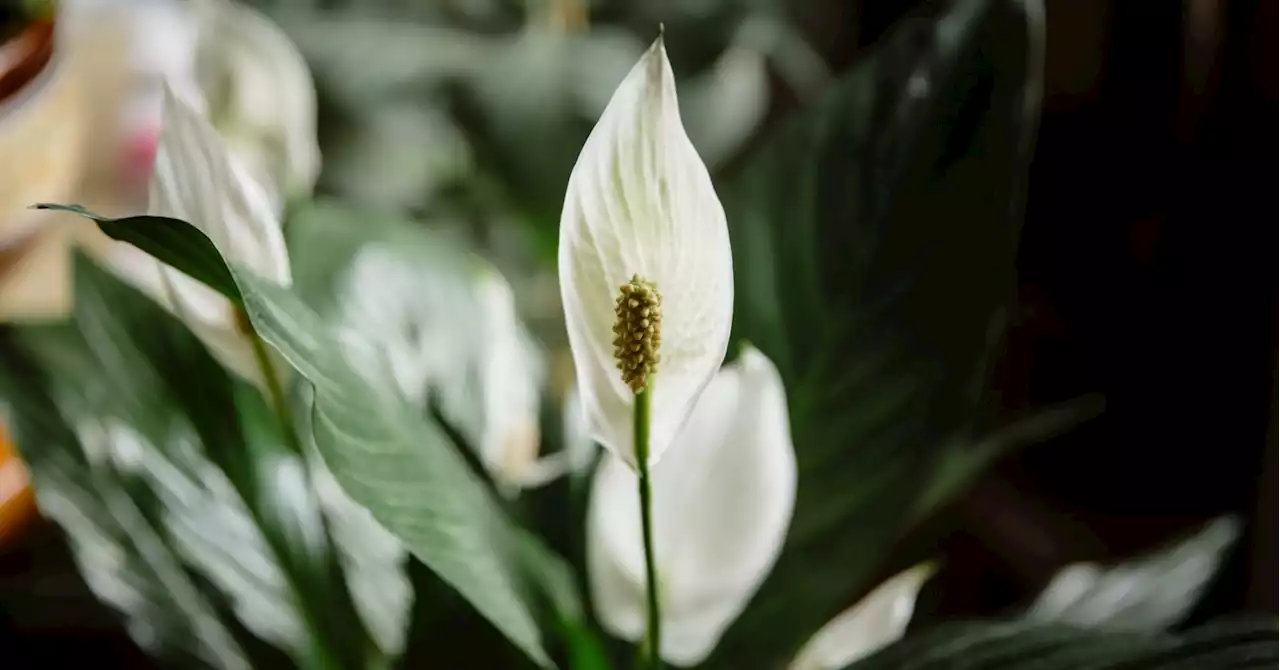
1146, 273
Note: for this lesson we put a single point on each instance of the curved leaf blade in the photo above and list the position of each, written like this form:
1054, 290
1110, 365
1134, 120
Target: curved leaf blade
175, 243
398, 464
395, 462
876, 236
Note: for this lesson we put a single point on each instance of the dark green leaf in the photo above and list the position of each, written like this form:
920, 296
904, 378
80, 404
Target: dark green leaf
176, 243
1024, 644
988, 644
874, 241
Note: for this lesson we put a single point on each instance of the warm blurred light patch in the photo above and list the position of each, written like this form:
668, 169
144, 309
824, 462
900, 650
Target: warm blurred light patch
17, 502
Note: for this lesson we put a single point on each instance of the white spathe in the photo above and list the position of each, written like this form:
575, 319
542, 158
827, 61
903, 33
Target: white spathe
722, 503
640, 201
260, 96
195, 180
875, 621
514, 371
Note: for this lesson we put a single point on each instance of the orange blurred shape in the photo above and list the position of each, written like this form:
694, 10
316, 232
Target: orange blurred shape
17, 501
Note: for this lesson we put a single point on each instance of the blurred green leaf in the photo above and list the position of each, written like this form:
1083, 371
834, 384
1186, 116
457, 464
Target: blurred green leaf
874, 241
958, 467
535, 105
142, 392
1151, 592
408, 291
394, 154
1248, 643
110, 474
362, 61
392, 459
123, 558
722, 108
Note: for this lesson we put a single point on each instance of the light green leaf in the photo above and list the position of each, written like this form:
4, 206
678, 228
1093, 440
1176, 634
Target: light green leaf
536, 104
395, 155
373, 560
1151, 592
397, 463
367, 62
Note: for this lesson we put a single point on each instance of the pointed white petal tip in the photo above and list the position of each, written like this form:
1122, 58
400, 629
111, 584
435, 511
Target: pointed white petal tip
723, 499
197, 180
640, 202
876, 621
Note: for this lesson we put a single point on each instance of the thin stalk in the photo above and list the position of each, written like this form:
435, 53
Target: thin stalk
653, 636
275, 387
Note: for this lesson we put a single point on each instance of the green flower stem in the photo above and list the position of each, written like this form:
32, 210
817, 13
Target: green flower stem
653, 636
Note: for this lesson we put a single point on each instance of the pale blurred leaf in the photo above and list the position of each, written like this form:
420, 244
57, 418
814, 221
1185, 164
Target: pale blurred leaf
395, 154
211, 528
127, 565
1152, 592
204, 458
362, 60
722, 107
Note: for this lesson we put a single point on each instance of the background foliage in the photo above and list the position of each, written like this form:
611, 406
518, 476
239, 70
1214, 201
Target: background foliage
875, 234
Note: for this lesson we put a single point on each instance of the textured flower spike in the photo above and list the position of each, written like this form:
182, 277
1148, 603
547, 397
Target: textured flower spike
640, 215
722, 499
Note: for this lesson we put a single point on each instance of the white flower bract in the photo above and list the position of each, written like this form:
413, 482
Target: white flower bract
877, 620
723, 500
260, 96
640, 202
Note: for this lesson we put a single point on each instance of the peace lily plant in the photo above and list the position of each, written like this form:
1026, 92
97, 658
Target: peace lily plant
710, 516
676, 546
646, 276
